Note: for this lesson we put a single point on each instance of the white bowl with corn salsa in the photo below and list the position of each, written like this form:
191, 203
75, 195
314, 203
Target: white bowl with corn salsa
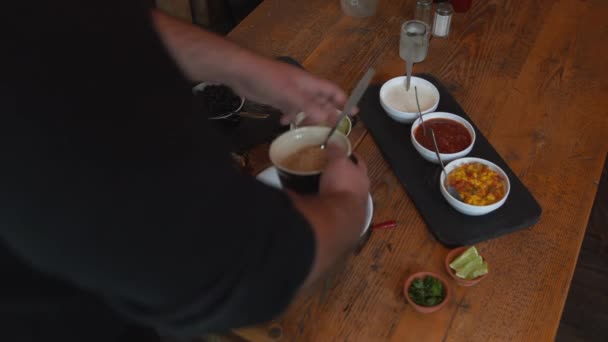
482, 186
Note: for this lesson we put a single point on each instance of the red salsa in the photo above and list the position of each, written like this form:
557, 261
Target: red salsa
451, 136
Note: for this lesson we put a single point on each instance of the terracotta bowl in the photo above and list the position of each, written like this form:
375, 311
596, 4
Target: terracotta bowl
427, 309
453, 254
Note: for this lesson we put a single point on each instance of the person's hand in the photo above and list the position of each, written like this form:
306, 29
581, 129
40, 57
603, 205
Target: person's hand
345, 177
337, 214
289, 89
201, 55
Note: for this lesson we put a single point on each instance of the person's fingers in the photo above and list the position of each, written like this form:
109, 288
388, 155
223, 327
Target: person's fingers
317, 97
286, 119
334, 151
326, 88
290, 110
360, 163
317, 112
322, 100
333, 93
338, 99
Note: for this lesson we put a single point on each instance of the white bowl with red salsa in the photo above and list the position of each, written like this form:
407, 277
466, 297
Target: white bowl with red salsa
455, 136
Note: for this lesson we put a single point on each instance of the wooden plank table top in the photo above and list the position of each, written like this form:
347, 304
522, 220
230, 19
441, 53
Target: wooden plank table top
533, 77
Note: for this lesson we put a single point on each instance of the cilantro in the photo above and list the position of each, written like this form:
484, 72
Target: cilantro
427, 291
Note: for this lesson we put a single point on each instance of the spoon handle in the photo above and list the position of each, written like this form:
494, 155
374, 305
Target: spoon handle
253, 115
352, 100
408, 71
437, 152
451, 190
419, 112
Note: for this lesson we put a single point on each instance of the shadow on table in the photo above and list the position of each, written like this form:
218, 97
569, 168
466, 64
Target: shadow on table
585, 316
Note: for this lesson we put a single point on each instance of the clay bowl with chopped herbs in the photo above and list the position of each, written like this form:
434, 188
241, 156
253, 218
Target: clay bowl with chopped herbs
426, 291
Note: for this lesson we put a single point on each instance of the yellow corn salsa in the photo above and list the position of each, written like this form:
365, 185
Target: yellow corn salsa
477, 184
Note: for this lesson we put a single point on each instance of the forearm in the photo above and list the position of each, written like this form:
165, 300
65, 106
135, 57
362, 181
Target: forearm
337, 222
201, 55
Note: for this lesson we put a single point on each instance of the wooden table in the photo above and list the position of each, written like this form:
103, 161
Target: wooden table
533, 77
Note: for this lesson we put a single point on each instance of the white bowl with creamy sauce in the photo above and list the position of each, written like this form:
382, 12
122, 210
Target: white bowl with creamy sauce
400, 104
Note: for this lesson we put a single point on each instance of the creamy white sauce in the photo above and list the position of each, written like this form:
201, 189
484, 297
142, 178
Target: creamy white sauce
398, 98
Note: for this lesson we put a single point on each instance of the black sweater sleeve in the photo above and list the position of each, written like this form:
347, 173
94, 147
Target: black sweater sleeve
111, 183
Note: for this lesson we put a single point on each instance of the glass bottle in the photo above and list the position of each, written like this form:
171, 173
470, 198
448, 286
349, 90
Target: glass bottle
424, 8
359, 8
413, 45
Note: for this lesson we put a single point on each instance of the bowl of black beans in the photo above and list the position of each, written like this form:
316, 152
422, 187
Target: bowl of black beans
217, 101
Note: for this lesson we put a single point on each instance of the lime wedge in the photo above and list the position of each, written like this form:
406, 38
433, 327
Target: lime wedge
481, 270
471, 266
344, 126
464, 258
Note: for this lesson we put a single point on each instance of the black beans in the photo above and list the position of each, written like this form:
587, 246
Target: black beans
217, 100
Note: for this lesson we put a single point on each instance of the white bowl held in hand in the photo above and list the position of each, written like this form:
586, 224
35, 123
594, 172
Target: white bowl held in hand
469, 209
400, 104
430, 155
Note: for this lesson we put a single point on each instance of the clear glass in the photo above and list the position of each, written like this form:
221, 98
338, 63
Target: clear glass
424, 10
413, 45
359, 8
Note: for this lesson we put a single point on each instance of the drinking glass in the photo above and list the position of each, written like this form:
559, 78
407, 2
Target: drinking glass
413, 45
359, 8
424, 9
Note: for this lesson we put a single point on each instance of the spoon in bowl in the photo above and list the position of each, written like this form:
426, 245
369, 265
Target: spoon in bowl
352, 101
419, 111
450, 188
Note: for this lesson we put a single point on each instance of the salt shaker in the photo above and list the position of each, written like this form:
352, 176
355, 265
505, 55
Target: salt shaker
424, 8
443, 19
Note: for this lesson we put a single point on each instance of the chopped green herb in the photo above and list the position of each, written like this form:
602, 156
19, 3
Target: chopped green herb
426, 292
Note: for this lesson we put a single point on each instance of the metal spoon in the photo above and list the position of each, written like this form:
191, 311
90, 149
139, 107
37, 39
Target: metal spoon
249, 115
419, 111
408, 72
450, 188
352, 101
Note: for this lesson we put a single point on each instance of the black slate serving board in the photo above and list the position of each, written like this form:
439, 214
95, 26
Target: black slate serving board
421, 178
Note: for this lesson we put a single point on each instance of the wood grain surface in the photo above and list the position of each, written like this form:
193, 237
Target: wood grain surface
177, 8
533, 77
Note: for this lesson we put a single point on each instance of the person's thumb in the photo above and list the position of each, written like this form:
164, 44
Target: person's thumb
335, 151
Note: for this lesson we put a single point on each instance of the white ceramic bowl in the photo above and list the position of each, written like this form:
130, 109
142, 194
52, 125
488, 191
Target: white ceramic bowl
468, 209
430, 155
394, 89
